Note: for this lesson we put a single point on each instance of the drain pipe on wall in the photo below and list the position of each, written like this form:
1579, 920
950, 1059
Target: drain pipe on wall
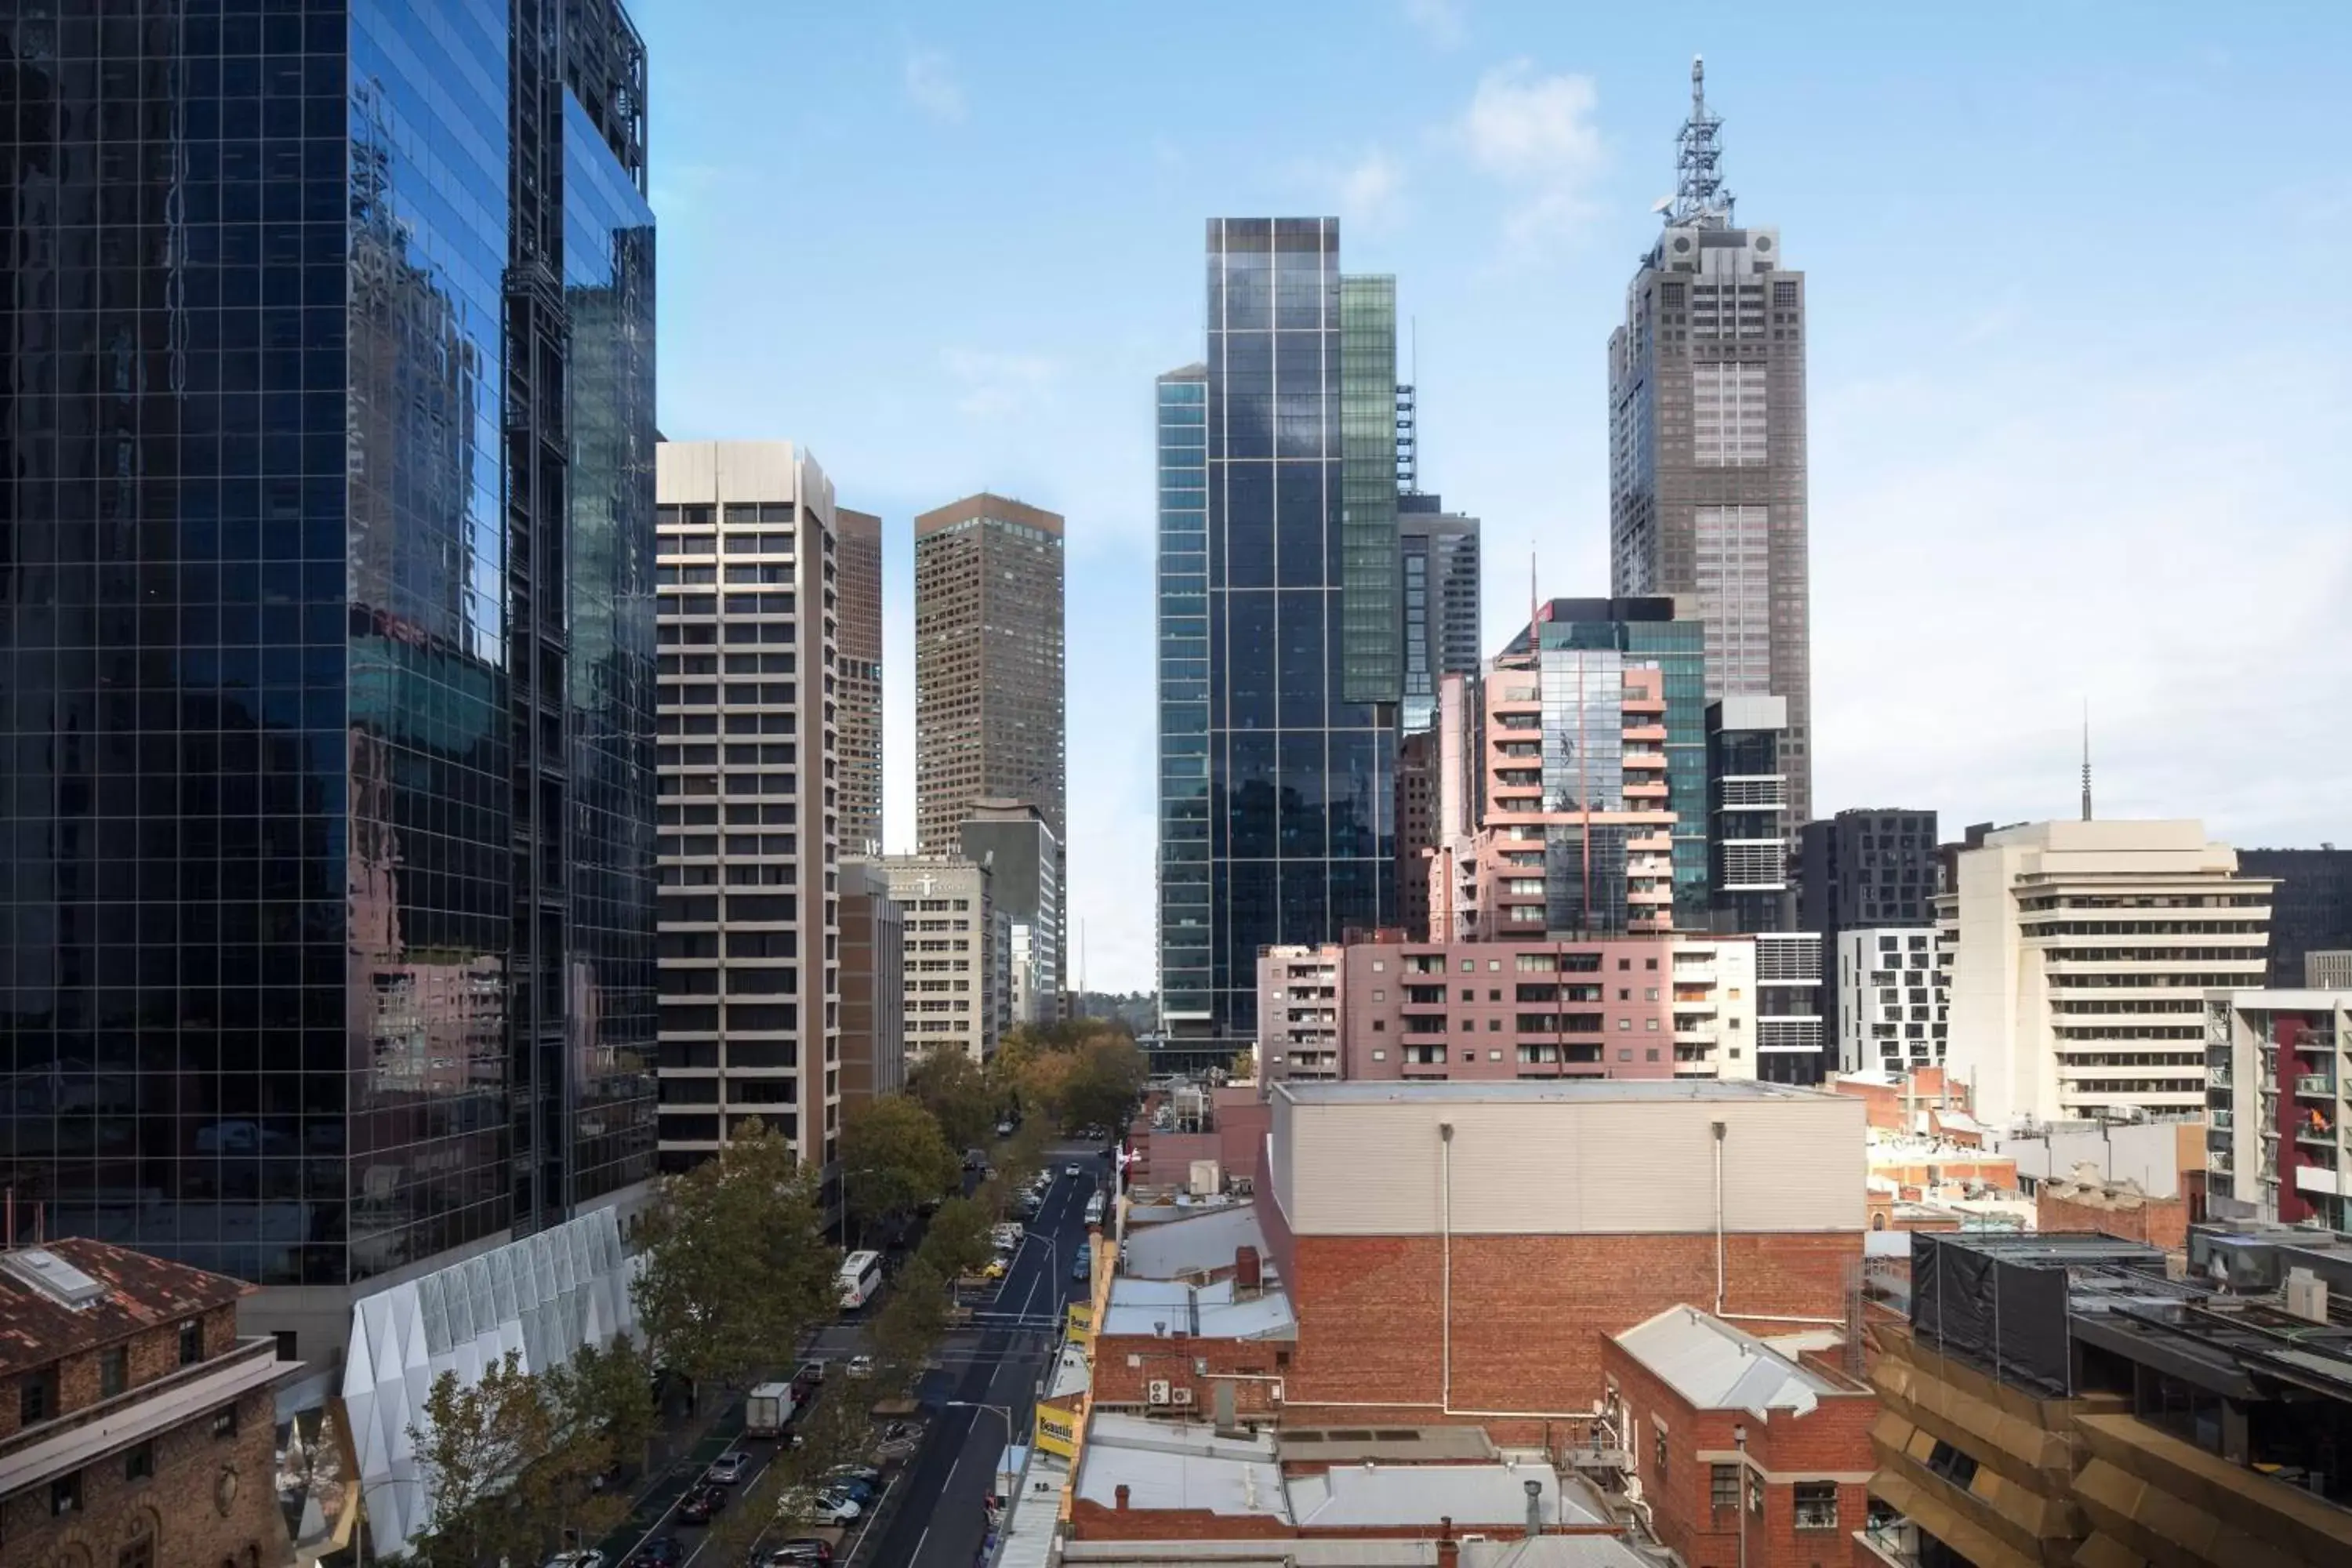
1445, 1227
1718, 1219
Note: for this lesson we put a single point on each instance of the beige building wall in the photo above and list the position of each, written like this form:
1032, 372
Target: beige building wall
949, 923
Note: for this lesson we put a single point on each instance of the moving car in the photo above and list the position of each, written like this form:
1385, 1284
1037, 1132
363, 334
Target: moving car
861, 1366
700, 1504
728, 1469
1071, 1169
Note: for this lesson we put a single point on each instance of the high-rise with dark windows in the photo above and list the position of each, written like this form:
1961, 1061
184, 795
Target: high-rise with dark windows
1187, 965
1303, 665
1707, 443
1438, 558
859, 692
327, 870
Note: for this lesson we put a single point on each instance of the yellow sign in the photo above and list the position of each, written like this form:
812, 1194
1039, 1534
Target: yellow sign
1082, 1321
1056, 1431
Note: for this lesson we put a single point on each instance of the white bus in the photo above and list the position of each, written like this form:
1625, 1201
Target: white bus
861, 1275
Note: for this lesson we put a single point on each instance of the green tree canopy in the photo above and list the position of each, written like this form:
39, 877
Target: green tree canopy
736, 1268
909, 1325
611, 1390
948, 1085
512, 1465
1105, 1082
892, 1159
958, 1241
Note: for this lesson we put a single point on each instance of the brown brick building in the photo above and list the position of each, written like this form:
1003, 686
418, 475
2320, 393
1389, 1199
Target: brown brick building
136, 1428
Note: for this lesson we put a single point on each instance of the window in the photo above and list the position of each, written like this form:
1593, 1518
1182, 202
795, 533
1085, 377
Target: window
1723, 1486
225, 1421
113, 1371
1659, 1446
1952, 1463
192, 1342
139, 1462
1817, 1505
1756, 1494
65, 1494
140, 1554
36, 1397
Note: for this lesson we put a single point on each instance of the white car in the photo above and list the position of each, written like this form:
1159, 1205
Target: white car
577, 1559
861, 1366
1071, 1169
821, 1508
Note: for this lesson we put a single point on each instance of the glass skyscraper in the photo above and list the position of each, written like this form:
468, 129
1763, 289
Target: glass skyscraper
1296, 699
326, 632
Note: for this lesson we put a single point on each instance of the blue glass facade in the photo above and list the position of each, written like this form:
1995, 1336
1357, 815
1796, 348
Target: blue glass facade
1187, 969
258, 636
1302, 836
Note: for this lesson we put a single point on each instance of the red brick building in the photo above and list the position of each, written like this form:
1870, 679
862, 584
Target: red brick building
136, 1428
1730, 1436
1462, 1252
2112, 1209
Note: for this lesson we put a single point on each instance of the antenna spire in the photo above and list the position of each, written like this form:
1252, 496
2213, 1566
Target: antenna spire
2087, 759
1699, 196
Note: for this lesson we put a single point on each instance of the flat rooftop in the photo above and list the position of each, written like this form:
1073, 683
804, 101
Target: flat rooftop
1588, 1091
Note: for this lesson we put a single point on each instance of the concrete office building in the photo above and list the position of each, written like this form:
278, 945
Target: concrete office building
1013, 841
751, 917
1891, 1002
1707, 472
2327, 969
1438, 555
873, 985
988, 663
951, 962
1280, 647
2311, 909
327, 878
2081, 951
857, 689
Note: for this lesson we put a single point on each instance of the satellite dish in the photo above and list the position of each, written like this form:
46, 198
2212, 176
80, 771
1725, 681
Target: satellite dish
1661, 204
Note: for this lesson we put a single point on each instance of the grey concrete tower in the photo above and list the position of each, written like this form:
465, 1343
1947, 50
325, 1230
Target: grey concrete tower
1706, 442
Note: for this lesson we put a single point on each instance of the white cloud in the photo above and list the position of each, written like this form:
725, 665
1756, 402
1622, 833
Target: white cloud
932, 86
992, 386
1536, 134
1441, 20
1368, 192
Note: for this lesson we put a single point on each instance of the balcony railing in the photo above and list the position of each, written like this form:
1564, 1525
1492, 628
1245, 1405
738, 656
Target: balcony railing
2317, 1085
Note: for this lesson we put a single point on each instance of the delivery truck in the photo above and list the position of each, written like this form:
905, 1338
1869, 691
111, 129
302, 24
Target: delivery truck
768, 1409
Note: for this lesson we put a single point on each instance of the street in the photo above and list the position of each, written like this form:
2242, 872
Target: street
943, 1521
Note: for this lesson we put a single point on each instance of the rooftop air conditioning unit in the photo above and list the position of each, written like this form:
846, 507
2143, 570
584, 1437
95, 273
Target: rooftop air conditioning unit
1157, 1391
1180, 1396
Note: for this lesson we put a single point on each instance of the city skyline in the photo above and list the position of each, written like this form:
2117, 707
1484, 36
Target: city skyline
1506, 176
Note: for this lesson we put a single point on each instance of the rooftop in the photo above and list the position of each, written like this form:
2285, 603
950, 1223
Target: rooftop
1167, 1465
1206, 1240
1717, 1367
1391, 1445
135, 1291
1590, 1090
1473, 1496
1555, 1552
1216, 1312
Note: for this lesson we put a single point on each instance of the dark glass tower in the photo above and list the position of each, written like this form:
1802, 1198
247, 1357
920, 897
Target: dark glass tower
326, 634
1301, 679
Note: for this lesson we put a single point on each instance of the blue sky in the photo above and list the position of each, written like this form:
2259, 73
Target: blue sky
2081, 411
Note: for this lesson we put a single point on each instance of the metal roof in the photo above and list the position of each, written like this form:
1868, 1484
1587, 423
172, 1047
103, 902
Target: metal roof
1203, 1241
1213, 1311
1555, 1552
1717, 1367
1472, 1496
1598, 1090
1168, 1465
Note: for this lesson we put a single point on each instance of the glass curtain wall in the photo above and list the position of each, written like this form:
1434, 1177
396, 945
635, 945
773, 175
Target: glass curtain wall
1185, 966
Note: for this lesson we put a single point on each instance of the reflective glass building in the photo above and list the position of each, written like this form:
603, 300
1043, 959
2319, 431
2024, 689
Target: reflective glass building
1300, 716
326, 633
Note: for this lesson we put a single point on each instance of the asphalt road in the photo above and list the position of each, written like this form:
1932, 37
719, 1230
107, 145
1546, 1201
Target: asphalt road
943, 1521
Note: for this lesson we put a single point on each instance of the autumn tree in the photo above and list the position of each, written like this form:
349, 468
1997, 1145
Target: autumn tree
737, 1270
957, 1242
1105, 1078
909, 1326
512, 1464
892, 1159
960, 1097
612, 1389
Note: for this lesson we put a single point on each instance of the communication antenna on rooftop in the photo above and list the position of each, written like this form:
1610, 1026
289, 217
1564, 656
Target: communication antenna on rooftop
1699, 197
2087, 759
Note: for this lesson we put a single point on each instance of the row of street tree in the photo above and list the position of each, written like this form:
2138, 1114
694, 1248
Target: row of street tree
737, 1272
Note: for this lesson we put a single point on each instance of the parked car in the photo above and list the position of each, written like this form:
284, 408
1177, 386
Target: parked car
818, 1508
974, 1160
1082, 1267
589, 1558
993, 1270
1005, 1130
853, 1473
857, 1491
728, 1469
804, 1552
661, 1551
861, 1366
700, 1504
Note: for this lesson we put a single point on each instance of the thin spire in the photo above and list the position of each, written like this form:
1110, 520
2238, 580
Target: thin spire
1699, 196
2087, 759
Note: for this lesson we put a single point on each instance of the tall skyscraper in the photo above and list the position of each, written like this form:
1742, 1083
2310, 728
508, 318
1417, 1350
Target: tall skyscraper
1010, 837
1438, 553
1187, 959
1706, 450
750, 828
988, 663
859, 691
327, 891
1299, 578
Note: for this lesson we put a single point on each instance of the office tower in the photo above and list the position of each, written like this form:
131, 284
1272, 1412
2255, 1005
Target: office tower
2311, 909
1748, 814
1011, 839
987, 663
1418, 771
750, 914
326, 664
1438, 552
1890, 1015
1863, 869
950, 954
1302, 626
2081, 951
873, 985
859, 689
1180, 405
1707, 446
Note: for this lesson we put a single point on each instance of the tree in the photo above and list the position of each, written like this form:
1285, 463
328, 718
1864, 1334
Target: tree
512, 1470
612, 1390
892, 1159
1105, 1076
958, 1241
910, 1323
736, 1268
1243, 1068
958, 1096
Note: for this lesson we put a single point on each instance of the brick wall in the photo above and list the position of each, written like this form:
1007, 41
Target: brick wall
212, 1500
153, 1353
1831, 1443
1127, 1365
1530, 1313
2159, 1222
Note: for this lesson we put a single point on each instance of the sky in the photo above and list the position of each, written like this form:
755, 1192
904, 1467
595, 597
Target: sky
2081, 409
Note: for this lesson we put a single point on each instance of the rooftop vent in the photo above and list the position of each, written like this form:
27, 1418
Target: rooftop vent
52, 1276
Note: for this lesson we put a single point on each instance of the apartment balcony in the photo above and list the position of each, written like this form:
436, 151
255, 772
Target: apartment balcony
2219, 1160
1429, 1069
1650, 761
2221, 1118
1646, 790
2320, 1135
2315, 1086
1703, 1035
1632, 732
2322, 1179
